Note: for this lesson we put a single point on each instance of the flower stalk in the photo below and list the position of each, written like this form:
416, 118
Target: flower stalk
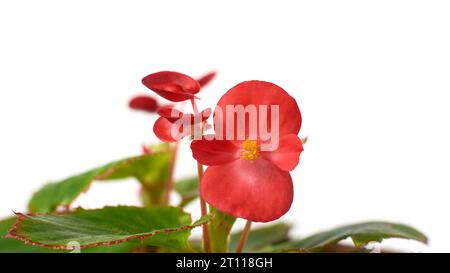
204, 211
244, 236
203, 208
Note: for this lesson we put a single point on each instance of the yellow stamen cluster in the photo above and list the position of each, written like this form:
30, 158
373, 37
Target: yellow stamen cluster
251, 150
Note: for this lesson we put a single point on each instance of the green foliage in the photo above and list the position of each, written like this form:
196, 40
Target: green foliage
361, 234
187, 188
165, 227
9, 245
151, 170
156, 228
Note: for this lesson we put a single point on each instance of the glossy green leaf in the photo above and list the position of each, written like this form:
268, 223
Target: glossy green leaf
148, 169
187, 189
361, 234
164, 227
10, 245
261, 237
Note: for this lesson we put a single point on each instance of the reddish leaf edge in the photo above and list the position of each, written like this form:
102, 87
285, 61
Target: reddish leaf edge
13, 232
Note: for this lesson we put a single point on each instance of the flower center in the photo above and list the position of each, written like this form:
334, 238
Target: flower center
251, 150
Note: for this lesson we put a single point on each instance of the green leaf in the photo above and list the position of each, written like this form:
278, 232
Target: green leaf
152, 172
9, 245
164, 227
187, 188
147, 169
259, 238
361, 234
120, 248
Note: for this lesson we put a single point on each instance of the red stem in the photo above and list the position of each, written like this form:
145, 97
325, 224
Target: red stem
203, 208
244, 236
204, 211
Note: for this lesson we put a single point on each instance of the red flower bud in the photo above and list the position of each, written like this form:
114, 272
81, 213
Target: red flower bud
167, 132
173, 125
144, 103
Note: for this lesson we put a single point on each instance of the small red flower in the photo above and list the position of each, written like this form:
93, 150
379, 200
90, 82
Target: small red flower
144, 103
242, 179
173, 86
173, 125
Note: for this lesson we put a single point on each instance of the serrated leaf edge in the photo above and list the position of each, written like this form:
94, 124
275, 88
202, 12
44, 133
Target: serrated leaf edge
13, 232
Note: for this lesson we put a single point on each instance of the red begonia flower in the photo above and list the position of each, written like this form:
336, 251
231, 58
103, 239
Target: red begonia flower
242, 180
204, 80
168, 127
144, 103
173, 86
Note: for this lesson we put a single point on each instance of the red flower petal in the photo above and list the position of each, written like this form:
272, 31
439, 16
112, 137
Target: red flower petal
256, 191
204, 80
287, 155
144, 103
259, 93
173, 86
214, 152
172, 114
167, 132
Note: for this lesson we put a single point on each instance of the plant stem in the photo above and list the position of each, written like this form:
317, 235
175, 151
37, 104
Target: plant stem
244, 236
203, 208
169, 183
206, 241
194, 106
219, 230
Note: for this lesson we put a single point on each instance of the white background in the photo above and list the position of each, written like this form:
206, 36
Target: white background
371, 79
